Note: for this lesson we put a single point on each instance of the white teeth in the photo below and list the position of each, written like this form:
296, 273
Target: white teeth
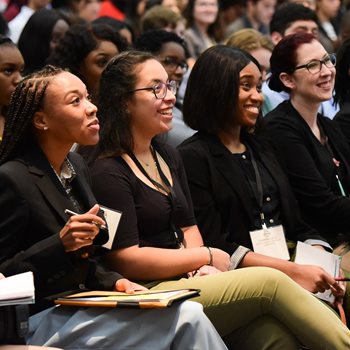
253, 109
166, 113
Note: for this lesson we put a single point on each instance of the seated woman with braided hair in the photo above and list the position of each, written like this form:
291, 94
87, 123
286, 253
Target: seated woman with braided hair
39, 178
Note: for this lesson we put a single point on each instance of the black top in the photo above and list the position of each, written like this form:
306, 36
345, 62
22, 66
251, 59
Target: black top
311, 168
32, 205
224, 207
270, 196
146, 212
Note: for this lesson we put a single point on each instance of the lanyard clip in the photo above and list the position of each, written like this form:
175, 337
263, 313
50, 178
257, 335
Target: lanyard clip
179, 243
262, 217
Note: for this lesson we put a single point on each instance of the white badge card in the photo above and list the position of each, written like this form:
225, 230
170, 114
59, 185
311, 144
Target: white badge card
270, 241
112, 218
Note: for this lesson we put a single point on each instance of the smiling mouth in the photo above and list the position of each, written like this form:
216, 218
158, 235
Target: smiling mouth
168, 112
253, 109
325, 84
94, 122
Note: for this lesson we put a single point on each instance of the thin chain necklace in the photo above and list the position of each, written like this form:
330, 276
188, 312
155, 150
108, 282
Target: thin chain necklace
147, 164
149, 170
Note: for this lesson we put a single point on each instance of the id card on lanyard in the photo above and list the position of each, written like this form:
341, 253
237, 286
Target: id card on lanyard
271, 240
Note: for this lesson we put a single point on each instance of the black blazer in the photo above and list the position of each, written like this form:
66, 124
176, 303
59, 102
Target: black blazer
32, 204
310, 168
220, 194
342, 120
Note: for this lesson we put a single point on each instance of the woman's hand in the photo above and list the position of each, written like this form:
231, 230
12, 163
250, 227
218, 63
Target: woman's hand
221, 260
80, 230
205, 270
126, 286
315, 279
340, 291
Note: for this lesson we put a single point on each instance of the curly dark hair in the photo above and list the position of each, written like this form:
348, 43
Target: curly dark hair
79, 41
154, 40
25, 101
117, 80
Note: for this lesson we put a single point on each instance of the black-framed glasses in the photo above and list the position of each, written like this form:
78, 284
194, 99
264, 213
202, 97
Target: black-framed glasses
160, 89
315, 66
173, 63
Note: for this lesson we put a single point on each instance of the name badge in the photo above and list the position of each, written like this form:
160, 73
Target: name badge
112, 218
270, 241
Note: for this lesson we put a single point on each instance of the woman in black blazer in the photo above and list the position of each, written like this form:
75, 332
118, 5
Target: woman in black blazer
39, 180
236, 183
311, 147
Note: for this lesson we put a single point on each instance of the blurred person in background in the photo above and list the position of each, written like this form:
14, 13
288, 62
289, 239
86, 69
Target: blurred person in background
160, 17
40, 36
202, 22
123, 28
327, 12
230, 10
258, 45
11, 69
85, 50
17, 24
171, 4
258, 15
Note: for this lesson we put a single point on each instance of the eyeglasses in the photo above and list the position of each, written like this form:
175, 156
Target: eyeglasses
160, 89
315, 66
172, 63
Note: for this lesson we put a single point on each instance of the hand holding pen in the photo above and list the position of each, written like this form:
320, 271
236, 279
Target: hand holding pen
81, 229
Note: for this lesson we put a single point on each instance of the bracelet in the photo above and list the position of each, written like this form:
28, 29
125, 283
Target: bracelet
210, 256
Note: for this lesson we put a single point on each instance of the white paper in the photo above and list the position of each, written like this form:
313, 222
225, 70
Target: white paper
270, 241
17, 289
306, 254
112, 218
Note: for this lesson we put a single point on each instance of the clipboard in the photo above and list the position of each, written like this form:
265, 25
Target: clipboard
144, 300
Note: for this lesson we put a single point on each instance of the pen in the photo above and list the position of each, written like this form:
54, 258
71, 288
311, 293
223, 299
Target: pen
103, 227
342, 279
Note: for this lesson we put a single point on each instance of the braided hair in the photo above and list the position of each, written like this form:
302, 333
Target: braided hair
26, 100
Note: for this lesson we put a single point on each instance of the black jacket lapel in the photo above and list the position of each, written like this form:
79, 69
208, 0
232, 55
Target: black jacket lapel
232, 175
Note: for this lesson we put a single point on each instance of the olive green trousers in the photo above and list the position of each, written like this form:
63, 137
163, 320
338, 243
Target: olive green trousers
262, 308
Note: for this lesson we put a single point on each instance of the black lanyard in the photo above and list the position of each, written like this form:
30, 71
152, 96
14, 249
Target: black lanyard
259, 193
168, 189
